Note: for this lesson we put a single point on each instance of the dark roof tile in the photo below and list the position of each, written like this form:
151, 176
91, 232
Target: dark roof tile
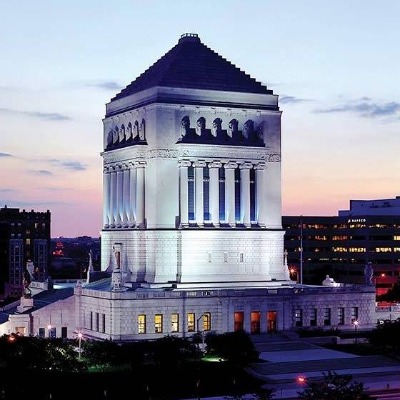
192, 65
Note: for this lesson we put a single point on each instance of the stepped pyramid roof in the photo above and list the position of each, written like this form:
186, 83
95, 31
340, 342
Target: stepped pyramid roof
192, 65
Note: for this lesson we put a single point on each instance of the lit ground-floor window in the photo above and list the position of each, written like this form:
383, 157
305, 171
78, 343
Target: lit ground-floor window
141, 322
255, 322
191, 322
175, 322
238, 321
158, 323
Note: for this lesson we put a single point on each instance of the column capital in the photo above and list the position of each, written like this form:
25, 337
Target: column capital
260, 166
246, 165
199, 164
231, 165
184, 163
140, 164
215, 164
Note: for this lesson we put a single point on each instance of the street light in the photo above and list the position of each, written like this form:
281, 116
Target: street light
49, 330
80, 335
202, 330
355, 322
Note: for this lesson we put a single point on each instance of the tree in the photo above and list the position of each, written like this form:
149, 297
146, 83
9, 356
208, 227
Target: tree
333, 387
235, 347
392, 295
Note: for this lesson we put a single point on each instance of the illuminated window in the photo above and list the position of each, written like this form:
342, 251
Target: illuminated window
206, 326
141, 321
221, 177
174, 322
253, 195
238, 321
339, 237
191, 193
158, 323
28, 241
383, 249
255, 319
206, 194
191, 322
237, 194
396, 237
271, 320
341, 316
20, 330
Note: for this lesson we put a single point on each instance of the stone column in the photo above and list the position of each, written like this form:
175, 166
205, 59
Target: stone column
125, 195
140, 194
132, 195
118, 214
245, 194
214, 191
113, 195
198, 180
260, 197
184, 192
230, 192
106, 197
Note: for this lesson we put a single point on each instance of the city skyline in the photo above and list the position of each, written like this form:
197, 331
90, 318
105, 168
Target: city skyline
332, 65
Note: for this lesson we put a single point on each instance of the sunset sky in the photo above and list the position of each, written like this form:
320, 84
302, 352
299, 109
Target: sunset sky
334, 64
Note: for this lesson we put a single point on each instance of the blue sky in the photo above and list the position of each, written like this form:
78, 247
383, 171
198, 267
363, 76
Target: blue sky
334, 65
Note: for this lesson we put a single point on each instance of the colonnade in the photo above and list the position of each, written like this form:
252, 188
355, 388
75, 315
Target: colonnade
124, 195
229, 192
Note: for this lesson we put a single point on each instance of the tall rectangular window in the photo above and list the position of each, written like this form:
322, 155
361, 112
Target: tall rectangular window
40, 257
191, 322
298, 317
237, 194
206, 194
191, 193
16, 267
141, 323
42, 333
175, 322
313, 317
327, 316
341, 316
271, 320
354, 314
103, 323
206, 326
253, 195
64, 334
238, 321
221, 173
158, 323
255, 322
91, 320
97, 321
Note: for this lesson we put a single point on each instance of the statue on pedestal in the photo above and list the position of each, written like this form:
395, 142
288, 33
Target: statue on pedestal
368, 273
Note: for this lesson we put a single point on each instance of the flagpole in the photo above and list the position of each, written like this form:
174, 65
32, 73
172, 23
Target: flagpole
301, 249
